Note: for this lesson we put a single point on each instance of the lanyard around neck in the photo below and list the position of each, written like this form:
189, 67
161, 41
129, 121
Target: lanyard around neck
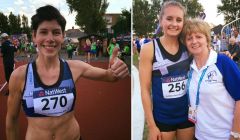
198, 88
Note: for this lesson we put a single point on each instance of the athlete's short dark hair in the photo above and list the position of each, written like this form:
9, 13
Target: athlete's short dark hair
47, 13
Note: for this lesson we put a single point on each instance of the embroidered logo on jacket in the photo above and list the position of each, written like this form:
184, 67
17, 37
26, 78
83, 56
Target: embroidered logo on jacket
211, 77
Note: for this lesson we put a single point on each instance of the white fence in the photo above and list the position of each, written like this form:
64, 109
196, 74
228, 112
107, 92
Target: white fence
228, 28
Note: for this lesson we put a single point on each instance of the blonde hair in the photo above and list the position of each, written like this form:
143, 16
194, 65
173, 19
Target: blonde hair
88, 42
172, 3
196, 26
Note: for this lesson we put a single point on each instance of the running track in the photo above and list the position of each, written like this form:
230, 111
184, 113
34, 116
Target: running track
101, 113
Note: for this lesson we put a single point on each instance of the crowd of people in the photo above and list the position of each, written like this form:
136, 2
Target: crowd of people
228, 41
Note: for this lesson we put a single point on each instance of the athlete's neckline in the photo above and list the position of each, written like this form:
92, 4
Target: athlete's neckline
172, 57
56, 84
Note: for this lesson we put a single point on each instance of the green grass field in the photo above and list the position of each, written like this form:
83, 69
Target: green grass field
135, 60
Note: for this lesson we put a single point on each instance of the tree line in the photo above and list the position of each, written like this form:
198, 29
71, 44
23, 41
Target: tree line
14, 24
90, 19
90, 16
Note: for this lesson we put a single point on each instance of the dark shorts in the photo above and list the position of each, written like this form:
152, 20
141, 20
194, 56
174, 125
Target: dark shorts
167, 128
87, 51
138, 49
93, 51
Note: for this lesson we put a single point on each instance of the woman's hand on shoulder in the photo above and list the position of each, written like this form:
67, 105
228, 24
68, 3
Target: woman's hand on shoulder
227, 53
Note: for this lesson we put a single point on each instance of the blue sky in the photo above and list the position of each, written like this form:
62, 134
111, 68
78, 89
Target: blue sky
28, 7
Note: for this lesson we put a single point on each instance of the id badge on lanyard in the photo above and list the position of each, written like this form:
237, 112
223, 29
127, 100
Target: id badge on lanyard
192, 111
192, 114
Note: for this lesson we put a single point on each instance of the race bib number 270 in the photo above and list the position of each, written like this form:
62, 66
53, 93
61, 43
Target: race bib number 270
174, 86
53, 102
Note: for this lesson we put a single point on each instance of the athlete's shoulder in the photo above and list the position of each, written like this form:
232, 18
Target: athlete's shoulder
74, 63
17, 78
147, 51
20, 71
77, 66
147, 45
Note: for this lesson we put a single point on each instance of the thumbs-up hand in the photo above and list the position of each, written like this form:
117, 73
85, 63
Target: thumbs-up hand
117, 66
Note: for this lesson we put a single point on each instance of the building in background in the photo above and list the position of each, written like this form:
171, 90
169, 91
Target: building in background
111, 19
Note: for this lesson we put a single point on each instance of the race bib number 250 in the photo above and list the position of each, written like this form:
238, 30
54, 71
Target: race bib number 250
174, 86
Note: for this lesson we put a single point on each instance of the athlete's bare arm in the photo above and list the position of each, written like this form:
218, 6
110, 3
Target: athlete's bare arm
16, 84
145, 71
80, 69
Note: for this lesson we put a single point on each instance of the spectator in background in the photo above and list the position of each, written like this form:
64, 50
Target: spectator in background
93, 49
137, 42
15, 43
236, 35
141, 40
112, 45
69, 50
146, 40
105, 46
86, 49
224, 42
126, 49
7, 51
99, 48
216, 43
234, 49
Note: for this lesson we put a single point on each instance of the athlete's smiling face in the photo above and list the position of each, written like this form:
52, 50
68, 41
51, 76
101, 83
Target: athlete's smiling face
48, 37
172, 21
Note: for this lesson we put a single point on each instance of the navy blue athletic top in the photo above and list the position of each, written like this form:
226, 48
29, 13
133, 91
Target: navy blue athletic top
169, 77
40, 100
